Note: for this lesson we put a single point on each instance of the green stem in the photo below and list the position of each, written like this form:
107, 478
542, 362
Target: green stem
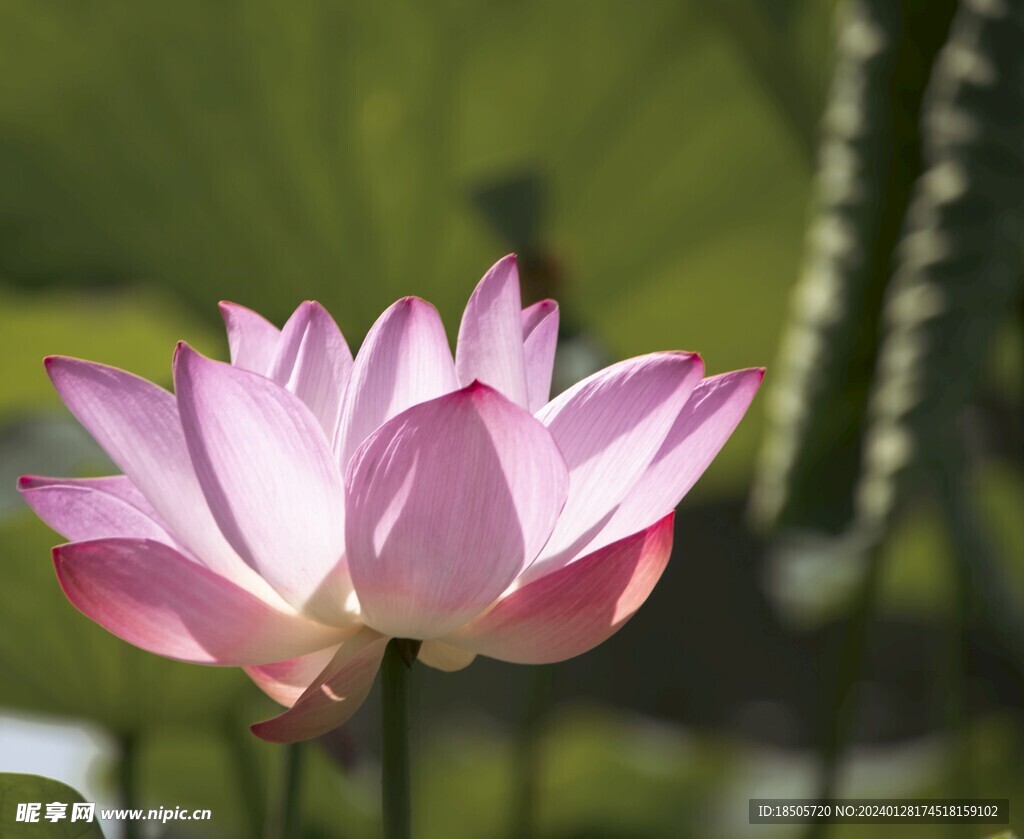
970, 556
528, 759
839, 723
246, 769
285, 820
395, 784
128, 777
959, 770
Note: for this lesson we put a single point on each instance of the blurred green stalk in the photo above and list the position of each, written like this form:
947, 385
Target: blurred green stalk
127, 778
395, 782
246, 768
839, 723
285, 821
528, 761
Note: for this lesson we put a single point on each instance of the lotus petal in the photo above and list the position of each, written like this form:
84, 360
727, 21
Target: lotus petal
574, 608
270, 480
490, 346
446, 504
151, 596
334, 696
314, 362
252, 339
404, 360
609, 428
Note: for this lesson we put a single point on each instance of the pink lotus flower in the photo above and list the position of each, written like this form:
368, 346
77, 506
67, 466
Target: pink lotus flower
292, 511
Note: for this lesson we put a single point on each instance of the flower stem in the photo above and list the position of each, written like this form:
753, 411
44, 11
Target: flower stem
528, 758
285, 818
395, 784
838, 725
247, 770
128, 778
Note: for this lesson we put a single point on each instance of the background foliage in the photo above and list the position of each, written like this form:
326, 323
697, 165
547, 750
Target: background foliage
668, 175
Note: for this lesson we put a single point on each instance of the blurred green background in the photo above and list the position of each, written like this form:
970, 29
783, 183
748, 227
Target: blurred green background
834, 190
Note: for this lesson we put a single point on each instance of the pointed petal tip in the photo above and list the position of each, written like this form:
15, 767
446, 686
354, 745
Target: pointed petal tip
260, 729
502, 272
54, 363
58, 366
314, 308
183, 354
269, 731
509, 262
694, 359
225, 307
230, 310
228, 306
749, 374
477, 391
684, 358
679, 355
43, 481
411, 300
536, 313
186, 364
666, 522
57, 553
27, 482
476, 386
411, 305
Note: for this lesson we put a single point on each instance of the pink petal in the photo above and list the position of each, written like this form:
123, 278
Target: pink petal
446, 657
252, 339
447, 503
313, 362
269, 477
153, 597
334, 696
490, 347
706, 422
540, 339
404, 360
609, 428
119, 486
84, 509
137, 424
575, 608
285, 681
